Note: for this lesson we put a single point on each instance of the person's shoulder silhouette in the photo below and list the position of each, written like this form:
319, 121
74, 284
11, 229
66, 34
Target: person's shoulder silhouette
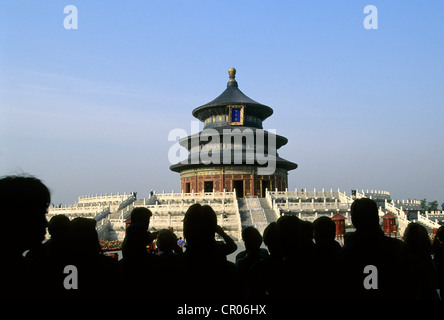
138, 237
253, 254
368, 246
424, 279
93, 267
206, 275
24, 204
326, 248
139, 267
261, 283
300, 276
438, 257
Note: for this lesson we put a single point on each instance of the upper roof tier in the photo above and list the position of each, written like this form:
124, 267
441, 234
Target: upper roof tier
232, 96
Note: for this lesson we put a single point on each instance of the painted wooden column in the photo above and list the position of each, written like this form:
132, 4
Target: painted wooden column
253, 183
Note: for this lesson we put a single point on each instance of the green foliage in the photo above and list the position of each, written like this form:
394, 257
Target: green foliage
430, 206
424, 204
433, 206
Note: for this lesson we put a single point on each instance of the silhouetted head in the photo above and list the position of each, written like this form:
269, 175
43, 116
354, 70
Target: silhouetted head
416, 239
364, 215
24, 202
252, 238
271, 239
324, 230
141, 215
199, 225
58, 226
84, 237
166, 240
289, 233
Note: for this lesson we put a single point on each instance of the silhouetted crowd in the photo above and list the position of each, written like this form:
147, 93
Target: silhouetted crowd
303, 261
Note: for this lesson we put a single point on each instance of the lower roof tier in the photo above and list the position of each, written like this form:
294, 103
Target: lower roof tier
230, 133
266, 165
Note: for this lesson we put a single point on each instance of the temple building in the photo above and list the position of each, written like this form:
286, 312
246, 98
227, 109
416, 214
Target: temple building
233, 151
230, 159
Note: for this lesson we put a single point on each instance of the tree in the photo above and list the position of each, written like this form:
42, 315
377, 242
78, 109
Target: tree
424, 204
430, 206
433, 206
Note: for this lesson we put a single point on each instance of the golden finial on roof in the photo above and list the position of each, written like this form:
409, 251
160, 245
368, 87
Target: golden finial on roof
232, 74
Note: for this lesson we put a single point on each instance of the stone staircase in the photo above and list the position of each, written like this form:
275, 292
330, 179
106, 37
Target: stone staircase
269, 213
244, 213
255, 212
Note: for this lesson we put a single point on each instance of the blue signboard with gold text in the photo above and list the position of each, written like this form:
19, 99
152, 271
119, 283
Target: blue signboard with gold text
236, 115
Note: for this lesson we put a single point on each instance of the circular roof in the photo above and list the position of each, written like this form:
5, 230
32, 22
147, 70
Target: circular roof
232, 96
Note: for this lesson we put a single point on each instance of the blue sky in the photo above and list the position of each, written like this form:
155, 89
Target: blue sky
89, 110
